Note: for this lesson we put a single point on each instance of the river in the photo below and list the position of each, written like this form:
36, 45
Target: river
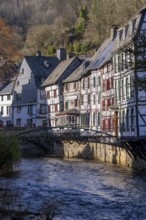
75, 189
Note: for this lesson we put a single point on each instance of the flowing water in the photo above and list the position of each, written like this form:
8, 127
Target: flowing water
75, 189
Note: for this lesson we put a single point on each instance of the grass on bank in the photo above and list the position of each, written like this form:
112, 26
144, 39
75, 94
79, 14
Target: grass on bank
9, 152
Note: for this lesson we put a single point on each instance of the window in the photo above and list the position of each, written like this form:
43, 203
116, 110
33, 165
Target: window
66, 86
94, 99
17, 83
88, 83
114, 64
18, 122
8, 110
82, 99
76, 102
29, 122
119, 90
115, 90
30, 110
131, 87
48, 94
94, 81
123, 88
8, 123
42, 94
18, 109
103, 85
132, 118
120, 35
99, 81
83, 84
8, 97
61, 106
2, 110
123, 119
18, 96
127, 90
98, 118
71, 119
133, 25
66, 105
126, 30
56, 108
88, 98
93, 118
99, 98
127, 118
2, 98
42, 80
43, 109
74, 85
22, 71
29, 81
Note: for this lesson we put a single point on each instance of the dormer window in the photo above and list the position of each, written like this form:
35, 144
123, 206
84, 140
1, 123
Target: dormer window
120, 35
42, 80
133, 25
46, 63
126, 31
22, 71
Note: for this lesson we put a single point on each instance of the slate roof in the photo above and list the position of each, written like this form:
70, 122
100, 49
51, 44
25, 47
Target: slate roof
76, 75
58, 71
41, 66
102, 55
8, 89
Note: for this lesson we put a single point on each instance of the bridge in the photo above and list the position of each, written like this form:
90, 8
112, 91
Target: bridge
136, 148
80, 135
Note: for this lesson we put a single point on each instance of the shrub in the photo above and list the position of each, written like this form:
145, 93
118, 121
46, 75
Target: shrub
9, 152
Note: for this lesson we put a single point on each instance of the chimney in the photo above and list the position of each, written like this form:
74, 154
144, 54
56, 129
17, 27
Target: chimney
38, 53
61, 54
114, 32
70, 55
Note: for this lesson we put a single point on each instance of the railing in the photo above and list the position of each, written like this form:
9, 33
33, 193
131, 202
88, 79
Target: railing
81, 135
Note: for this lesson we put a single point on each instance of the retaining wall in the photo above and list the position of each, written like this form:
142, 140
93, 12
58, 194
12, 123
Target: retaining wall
97, 151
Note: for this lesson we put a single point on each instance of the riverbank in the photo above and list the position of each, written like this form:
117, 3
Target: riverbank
90, 151
9, 153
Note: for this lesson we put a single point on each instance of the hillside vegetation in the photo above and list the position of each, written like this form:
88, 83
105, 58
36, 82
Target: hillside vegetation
79, 25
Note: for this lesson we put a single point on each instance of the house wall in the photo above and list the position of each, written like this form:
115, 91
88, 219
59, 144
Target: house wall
90, 100
54, 93
6, 107
129, 96
107, 100
53, 103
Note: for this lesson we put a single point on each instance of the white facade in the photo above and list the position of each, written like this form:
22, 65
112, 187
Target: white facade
90, 100
29, 107
54, 103
130, 97
6, 117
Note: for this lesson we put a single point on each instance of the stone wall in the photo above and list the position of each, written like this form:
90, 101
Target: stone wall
97, 151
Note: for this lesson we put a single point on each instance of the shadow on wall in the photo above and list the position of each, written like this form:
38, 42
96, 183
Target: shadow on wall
87, 153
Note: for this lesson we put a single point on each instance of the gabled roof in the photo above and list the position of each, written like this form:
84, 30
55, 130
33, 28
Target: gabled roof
58, 71
7, 90
76, 75
41, 66
102, 55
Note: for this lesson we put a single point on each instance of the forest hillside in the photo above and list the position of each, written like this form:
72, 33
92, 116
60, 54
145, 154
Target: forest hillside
79, 25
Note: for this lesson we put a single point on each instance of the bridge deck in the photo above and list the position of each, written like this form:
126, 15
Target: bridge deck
135, 147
